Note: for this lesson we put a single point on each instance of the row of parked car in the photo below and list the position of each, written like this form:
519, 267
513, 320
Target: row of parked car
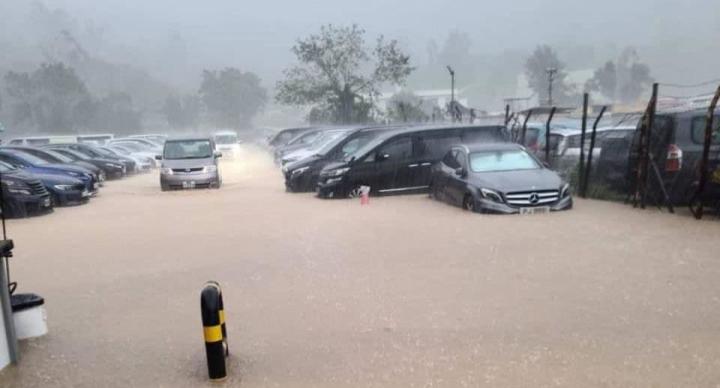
473, 166
39, 175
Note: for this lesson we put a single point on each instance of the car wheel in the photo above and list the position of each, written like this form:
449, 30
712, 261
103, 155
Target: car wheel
433, 192
469, 203
355, 192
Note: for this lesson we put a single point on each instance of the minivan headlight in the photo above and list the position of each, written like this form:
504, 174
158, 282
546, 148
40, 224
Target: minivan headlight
209, 169
491, 195
166, 170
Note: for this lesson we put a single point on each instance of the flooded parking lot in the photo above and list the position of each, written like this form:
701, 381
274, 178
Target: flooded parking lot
402, 292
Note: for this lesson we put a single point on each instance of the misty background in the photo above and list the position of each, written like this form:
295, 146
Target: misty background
133, 55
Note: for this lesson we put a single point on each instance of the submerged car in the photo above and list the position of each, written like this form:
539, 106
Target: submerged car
189, 163
23, 194
399, 160
498, 178
111, 168
325, 138
40, 168
54, 157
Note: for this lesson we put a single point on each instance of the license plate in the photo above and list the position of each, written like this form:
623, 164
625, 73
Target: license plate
715, 178
535, 210
85, 194
189, 185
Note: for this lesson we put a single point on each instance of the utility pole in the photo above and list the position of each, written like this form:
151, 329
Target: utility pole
452, 91
551, 71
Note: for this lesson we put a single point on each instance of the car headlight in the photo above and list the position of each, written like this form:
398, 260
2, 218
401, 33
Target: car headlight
19, 191
16, 188
113, 165
565, 190
209, 169
300, 170
72, 173
63, 187
338, 171
491, 195
166, 170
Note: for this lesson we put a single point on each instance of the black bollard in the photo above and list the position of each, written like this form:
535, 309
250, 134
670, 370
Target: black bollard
214, 330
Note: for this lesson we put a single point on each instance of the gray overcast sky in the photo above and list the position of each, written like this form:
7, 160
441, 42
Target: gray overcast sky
258, 33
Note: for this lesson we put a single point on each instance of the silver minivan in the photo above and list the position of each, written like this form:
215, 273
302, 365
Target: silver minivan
189, 163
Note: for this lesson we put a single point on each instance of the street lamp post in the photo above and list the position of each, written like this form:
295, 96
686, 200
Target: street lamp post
452, 91
551, 71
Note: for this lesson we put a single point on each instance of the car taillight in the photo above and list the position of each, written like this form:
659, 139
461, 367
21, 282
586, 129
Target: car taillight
673, 163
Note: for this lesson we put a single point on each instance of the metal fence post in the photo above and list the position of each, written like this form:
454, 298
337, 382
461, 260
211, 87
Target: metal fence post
698, 213
524, 127
586, 175
581, 170
547, 135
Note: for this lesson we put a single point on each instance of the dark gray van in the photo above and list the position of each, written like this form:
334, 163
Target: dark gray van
400, 160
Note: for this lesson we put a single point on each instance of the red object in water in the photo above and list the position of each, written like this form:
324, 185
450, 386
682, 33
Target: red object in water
365, 196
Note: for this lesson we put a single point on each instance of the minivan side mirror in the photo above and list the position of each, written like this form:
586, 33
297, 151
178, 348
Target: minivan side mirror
158, 157
217, 154
461, 172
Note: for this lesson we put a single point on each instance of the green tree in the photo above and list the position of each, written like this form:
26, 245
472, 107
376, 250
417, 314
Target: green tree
406, 107
232, 97
46, 98
182, 112
536, 67
339, 75
604, 80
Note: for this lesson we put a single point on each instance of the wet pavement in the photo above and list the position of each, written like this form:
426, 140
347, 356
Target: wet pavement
403, 292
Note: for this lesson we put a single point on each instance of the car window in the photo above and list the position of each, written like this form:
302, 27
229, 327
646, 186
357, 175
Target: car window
396, 149
698, 130
504, 160
188, 149
434, 146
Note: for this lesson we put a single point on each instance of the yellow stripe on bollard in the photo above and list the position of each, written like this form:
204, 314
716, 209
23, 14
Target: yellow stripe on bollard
212, 333
222, 316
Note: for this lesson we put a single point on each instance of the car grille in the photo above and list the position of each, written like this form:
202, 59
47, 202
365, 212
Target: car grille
37, 187
187, 170
532, 198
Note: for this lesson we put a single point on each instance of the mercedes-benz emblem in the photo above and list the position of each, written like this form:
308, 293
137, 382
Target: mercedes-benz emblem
534, 198
187, 170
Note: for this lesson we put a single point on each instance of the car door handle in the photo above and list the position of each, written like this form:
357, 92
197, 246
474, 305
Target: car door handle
413, 165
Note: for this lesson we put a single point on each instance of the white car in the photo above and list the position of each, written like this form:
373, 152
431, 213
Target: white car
228, 143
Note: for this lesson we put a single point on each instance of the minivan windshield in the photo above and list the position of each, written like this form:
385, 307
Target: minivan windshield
226, 139
506, 160
188, 149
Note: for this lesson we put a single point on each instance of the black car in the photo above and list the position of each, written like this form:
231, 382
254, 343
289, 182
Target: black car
284, 136
498, 178
56, 158
676, 146
112, 168
399, 160
96, 153
23, 194
303, 175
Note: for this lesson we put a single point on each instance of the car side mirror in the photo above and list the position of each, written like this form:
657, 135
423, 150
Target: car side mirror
380, 157
217, 154
158, 157
461, 172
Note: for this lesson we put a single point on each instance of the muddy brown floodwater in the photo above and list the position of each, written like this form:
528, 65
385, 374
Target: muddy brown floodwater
403, 292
